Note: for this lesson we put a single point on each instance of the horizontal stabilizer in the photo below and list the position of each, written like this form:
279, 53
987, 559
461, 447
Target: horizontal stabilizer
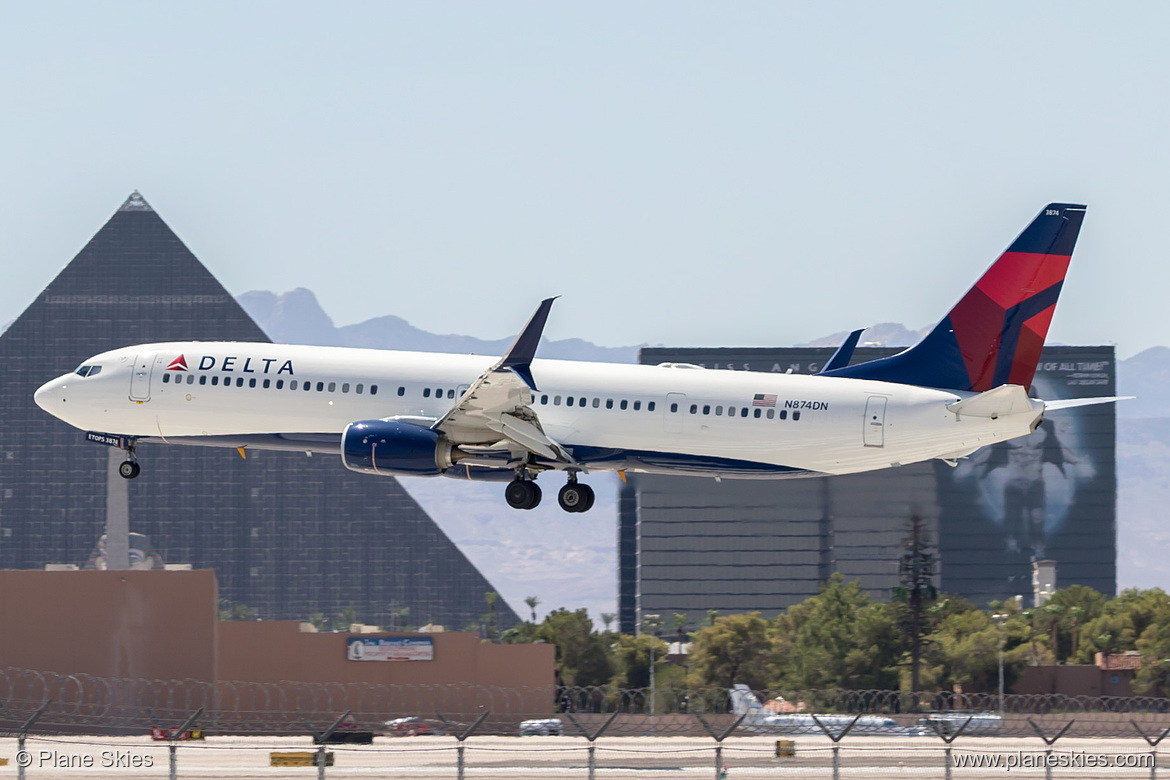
1072, 403
999, 402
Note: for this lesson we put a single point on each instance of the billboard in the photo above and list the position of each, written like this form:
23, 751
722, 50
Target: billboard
390, 648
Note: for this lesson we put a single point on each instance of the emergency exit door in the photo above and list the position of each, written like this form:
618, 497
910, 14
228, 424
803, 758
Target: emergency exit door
875, 421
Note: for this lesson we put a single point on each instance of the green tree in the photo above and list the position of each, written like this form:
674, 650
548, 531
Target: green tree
319, 621
734, 649
1077, 605
1123, 620
962, 649
347, 617
608, 618
582, 656
533, 602
837, 639
491, 597
632, 660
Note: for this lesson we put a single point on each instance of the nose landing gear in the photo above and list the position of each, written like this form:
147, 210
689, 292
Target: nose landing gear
129, 468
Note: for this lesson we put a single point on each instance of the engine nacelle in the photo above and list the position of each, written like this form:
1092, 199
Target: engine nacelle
393, 448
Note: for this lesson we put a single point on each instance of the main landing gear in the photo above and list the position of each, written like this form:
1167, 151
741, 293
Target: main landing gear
523, 493
575, 496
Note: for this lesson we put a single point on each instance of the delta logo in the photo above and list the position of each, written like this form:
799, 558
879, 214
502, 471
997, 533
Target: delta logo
178, 364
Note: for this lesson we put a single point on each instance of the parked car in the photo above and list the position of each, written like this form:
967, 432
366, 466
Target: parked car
412, 727
548, 727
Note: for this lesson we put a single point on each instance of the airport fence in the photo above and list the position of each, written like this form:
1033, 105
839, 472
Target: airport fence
469, 730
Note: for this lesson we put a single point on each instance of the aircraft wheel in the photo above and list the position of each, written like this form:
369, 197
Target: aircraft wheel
128, 469
522, 494
575, 497
589, 497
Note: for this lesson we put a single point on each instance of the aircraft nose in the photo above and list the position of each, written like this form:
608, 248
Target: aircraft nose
51, 395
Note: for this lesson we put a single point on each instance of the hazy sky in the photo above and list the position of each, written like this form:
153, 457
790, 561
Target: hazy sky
682, 173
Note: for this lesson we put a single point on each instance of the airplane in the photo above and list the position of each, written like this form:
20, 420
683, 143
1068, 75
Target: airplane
512, 419
761, 721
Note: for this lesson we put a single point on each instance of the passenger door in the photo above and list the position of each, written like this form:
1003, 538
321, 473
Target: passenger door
875, 421
140, 379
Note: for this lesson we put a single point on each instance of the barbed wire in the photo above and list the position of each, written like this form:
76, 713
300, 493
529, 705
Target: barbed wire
87, 704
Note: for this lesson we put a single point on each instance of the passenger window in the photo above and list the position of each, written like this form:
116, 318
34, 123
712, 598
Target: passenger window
450, 393
718, 411
190, 379
608, 403
673, 408
320, 387
358, 389
556, 400
332, 386
637, 406
373, 389
214, 380
292, 384
279, 384
596, 403
795, 416
694, 408
345, 387
731, 411
426, 392
307, 386
771, 413
239, 381
166, 377
252, 382
624, 404
267, 383
438, 392
757, 414
544, 400
401, 390
706, 408
203, 379
783, 414
569, 400
744, 411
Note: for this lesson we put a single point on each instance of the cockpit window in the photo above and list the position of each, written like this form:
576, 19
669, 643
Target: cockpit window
88, 370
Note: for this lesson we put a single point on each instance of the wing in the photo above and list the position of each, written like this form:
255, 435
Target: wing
496, 410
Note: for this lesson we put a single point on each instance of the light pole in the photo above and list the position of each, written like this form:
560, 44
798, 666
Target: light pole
1000, 618
652, 622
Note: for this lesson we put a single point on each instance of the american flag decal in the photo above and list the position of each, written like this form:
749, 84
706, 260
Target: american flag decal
764, 399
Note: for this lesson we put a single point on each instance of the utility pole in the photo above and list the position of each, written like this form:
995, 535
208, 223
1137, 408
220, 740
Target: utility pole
1000, 618
652, 622
916, 573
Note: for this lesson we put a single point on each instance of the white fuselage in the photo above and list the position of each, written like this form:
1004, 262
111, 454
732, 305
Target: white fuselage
646, 418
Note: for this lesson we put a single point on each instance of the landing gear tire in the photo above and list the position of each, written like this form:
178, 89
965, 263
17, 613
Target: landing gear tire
128, 469
522, 494
576, 497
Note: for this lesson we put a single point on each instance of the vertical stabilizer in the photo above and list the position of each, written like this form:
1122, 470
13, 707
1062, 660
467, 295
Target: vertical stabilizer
994, 334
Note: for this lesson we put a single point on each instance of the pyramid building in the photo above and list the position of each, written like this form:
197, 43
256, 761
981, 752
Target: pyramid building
287, 535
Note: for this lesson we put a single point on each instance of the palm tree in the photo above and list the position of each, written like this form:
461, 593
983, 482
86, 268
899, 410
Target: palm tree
532, 602
491, 597
607, 618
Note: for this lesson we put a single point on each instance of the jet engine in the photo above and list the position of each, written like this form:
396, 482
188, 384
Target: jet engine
393, 448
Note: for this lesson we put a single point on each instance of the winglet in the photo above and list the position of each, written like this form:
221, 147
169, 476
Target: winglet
844, 352
519, 357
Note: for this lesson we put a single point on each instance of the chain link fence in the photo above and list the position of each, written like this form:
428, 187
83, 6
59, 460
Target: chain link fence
227, 728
